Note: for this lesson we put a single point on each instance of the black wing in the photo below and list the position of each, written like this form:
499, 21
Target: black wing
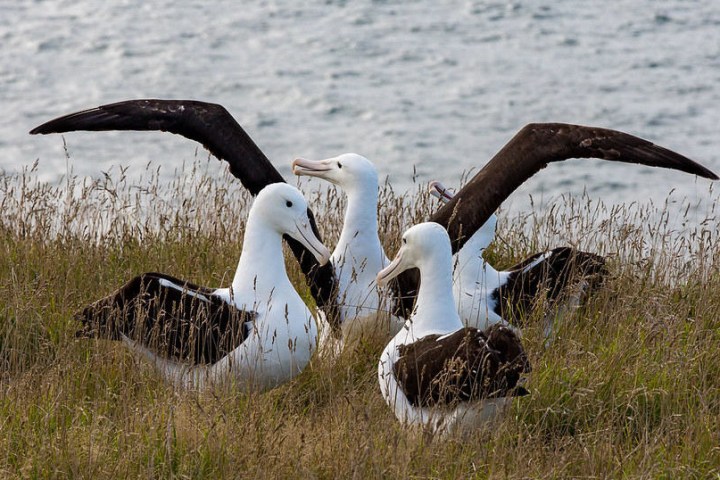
546, 275
207, 123
467, 365
530, 150
217, 130
176, 319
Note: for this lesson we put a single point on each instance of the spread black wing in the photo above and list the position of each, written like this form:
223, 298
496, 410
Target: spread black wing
548, 276
530, 150
217, 130
467, 365
207, 123
176, 319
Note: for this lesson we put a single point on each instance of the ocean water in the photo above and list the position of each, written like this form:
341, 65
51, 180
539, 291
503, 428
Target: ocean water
427, 90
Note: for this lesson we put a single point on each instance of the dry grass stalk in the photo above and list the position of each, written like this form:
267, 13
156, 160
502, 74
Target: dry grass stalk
630, 388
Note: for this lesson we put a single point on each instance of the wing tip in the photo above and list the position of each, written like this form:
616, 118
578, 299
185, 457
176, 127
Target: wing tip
709, 175
702, 171
51, 126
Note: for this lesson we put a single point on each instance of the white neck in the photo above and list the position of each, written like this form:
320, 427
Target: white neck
360, 229
262, 266
435, 310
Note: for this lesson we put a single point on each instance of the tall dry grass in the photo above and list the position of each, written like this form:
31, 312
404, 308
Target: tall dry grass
629, 389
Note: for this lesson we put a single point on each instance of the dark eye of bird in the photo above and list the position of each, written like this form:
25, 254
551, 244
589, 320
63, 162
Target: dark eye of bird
404, 240
339, 165
288, 203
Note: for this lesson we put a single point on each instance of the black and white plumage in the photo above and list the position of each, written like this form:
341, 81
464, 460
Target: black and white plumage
212, 126
182, 321
258, 333
530, 150
463, 366
486, 296
437, 373
534, 147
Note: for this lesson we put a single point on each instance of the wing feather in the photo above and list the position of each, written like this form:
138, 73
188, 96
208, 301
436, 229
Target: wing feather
464, 366
175, 319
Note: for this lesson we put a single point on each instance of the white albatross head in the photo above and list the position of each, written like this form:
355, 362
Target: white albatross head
348, 171
284, 209
425, 246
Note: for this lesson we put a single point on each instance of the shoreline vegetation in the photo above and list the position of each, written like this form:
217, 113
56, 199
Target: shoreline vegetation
629, 388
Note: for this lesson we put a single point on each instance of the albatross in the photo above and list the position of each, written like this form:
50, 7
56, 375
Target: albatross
358, 255
534, 147
258, 333
436, 372
486, 296
211, 125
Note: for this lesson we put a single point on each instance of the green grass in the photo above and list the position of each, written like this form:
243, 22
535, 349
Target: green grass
629, 389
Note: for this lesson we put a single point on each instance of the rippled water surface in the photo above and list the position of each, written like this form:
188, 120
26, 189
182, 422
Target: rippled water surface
431, 87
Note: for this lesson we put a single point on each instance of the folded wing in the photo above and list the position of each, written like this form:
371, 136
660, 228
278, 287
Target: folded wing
547, 275
466, 365
177, 320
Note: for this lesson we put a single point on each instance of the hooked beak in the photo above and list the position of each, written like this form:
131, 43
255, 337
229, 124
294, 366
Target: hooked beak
311, 168
396, 267
439, 191
307, 237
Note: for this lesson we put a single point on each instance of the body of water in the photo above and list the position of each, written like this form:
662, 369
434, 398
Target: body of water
427, 90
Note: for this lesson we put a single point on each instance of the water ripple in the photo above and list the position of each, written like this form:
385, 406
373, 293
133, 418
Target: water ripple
403, 83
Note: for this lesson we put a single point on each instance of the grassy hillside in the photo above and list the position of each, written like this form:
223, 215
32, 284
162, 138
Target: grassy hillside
630, 388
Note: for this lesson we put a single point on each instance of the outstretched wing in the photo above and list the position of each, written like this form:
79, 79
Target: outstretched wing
214, 127
207, 123
532, 149
175, 319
